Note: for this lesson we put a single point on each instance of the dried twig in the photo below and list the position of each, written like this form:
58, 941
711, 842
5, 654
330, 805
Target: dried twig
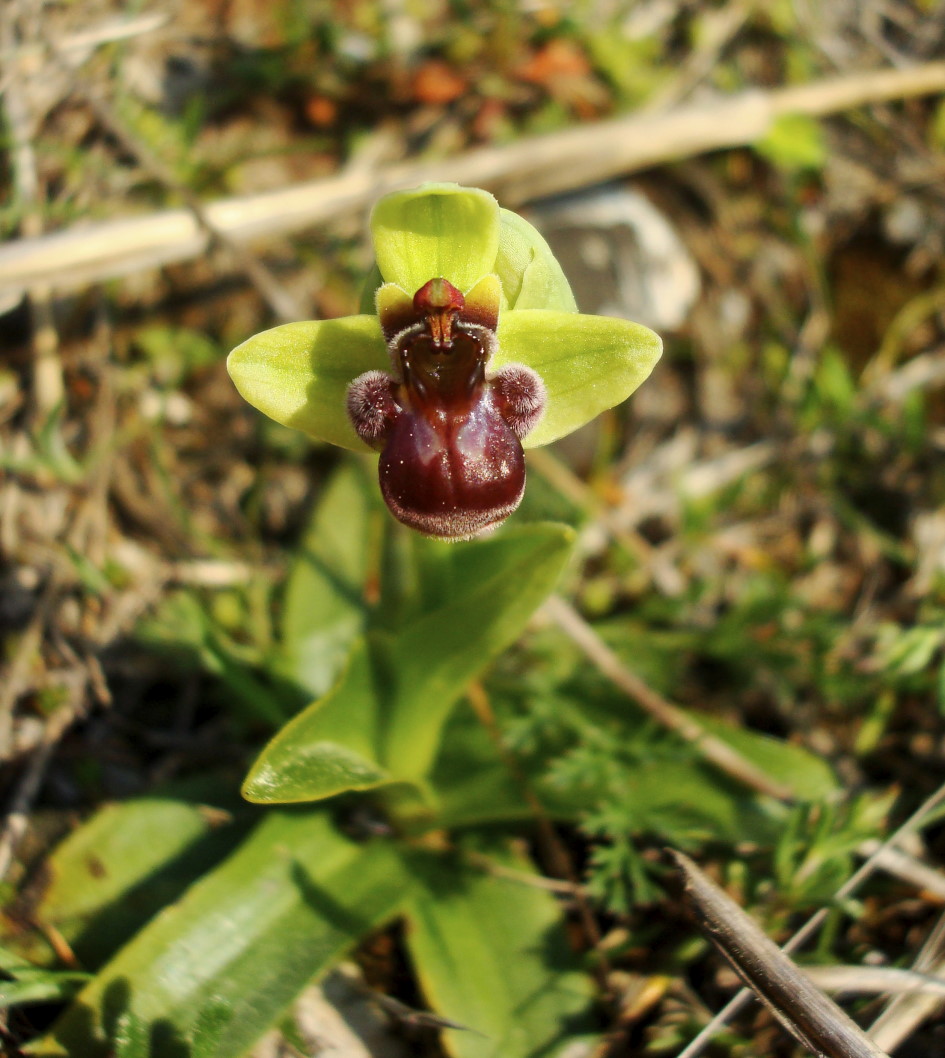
813, 1019
719, 753
813, 924
76, 46
876, 980
905, 867
518, 172
563, 478
529, 879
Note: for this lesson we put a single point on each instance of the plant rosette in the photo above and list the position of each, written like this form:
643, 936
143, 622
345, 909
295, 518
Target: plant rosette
475, 351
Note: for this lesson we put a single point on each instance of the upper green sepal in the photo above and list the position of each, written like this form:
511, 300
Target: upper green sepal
437, 230
460, 234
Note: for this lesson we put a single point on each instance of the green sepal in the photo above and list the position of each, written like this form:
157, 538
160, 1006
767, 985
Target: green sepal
588, 363
529, 272
435, 231
298, 374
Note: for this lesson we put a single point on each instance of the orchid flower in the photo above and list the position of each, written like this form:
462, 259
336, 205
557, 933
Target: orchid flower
474, 350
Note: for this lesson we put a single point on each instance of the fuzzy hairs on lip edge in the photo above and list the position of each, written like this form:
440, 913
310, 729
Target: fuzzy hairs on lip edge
371, 405
453, 524
522, 396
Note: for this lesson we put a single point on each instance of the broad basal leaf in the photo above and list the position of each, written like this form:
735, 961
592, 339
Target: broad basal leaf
125, 863
491, 955
330, 747
208, 976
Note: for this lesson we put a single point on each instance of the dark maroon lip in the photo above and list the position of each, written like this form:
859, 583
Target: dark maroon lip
452, 464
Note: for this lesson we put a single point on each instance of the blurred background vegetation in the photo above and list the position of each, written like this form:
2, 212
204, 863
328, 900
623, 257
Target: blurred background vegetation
761, 532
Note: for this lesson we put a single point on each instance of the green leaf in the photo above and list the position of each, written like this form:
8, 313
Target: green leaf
471, 783
383, 722
182, 629
688, 802
807, 776
500, 582
111, 874
588, 363
298, 373
909, 651
324, 608
330, 747
119, 846
208, 976
529, 272
794, 142
433, 231
474, 786
35, 985
491, 955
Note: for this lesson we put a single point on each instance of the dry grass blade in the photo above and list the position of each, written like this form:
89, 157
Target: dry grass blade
876, 980
48, 387
908, 868
813, 1019
518, 172
900, 1019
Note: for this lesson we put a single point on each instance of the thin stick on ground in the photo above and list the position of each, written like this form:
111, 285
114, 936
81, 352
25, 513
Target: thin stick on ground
813, 1019
558, 474
906, 1012
813, 924
518, 172
713, 749
907, 868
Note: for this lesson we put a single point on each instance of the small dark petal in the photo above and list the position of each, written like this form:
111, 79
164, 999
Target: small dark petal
521, 397
395, 311
482, 304
371, 406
